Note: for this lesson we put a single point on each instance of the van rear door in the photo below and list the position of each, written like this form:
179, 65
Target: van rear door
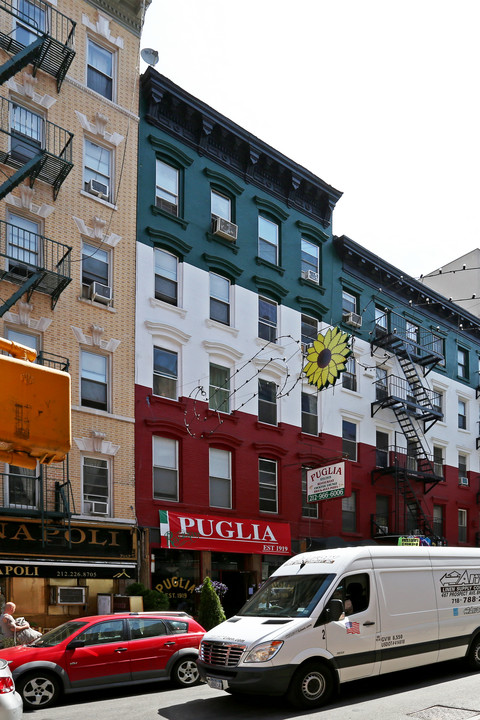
352, 639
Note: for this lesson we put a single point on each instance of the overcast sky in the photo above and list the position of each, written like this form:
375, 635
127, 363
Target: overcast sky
379, 98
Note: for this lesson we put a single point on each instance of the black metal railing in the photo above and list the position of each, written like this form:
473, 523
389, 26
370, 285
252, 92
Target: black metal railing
32, 133
48, 494
25, 135
27, 252
399, 334
54, 361
39, 18
401, 457
397, 389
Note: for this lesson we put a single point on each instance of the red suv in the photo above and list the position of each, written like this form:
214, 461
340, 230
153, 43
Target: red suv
106, 651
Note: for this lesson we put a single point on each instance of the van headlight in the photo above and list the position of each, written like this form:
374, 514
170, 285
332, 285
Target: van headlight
264, 652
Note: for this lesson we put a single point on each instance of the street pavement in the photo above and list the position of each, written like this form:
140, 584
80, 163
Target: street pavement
439, 692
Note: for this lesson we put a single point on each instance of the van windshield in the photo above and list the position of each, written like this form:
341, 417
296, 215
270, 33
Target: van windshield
288, 596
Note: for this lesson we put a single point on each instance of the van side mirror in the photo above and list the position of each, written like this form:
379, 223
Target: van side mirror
74, 644
332, 612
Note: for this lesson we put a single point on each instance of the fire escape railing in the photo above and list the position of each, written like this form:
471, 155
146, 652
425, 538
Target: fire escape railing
33, 22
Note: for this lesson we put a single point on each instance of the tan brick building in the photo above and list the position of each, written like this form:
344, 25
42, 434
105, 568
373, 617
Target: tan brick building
69, 99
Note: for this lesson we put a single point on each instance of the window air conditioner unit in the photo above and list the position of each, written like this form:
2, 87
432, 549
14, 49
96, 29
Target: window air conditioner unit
310, 275
353, 319
225, 229
73, 595
99, 508
95, 187
463, 481
101, 293
383, 529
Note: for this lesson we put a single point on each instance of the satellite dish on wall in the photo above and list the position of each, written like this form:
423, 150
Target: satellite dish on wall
149, 55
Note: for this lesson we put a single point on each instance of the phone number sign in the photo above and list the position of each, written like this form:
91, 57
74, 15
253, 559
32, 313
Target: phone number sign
328, 482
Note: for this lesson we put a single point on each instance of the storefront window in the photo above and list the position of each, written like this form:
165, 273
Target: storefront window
177, 574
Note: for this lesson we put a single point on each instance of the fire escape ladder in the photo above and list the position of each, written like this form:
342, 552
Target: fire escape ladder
414, 380
23, 57
31, 169
419, 391
423, 463
413, 506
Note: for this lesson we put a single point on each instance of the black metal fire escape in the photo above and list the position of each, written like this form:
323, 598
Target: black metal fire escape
416, 412
35, 149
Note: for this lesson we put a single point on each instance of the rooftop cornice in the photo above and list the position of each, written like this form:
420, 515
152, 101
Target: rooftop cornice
197, 125
392, 280
127, 12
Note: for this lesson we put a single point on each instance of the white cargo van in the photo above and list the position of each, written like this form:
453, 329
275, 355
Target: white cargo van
331, 616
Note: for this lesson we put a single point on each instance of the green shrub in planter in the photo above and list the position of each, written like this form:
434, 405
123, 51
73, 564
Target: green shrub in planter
210, 611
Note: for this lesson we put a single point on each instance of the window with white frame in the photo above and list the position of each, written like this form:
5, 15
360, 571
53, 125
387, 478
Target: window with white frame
23, 245
462, 363
462, 469
95, 486
94, 380
167, 187
95, 267
219, 299
22, 488
267, 485
411, 334
462, 415
219, 388
381, 383
268, 234
381, 320
267, 401
165, 373
308, 330
381, 449
309, 509
349, 303
221, 205
437, 400
438, 460
32, 21
165, 469
349, 440
97, 170
349, 376
438, 520
166, 277
27, 130
220, 478
309, 413
462, 525
23, 338
310, 254
267, 319
349, 513
438, 346
100, 69
382, 513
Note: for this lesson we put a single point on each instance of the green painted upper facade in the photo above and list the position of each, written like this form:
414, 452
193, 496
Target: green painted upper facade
188, 151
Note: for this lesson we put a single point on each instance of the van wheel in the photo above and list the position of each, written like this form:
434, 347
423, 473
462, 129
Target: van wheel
473, 656
312, 685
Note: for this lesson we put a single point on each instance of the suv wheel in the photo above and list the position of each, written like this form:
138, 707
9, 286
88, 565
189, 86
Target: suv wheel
185, 672
38, 689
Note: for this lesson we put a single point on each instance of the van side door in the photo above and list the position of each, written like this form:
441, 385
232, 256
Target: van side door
409, 634
351, 640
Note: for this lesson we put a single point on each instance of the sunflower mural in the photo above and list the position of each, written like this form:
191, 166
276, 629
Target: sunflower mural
327, 357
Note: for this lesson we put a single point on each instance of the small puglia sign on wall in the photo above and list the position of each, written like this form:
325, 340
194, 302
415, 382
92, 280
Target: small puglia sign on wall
328, 482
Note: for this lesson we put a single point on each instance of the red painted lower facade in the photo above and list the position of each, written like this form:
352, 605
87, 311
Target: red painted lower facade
179, 570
